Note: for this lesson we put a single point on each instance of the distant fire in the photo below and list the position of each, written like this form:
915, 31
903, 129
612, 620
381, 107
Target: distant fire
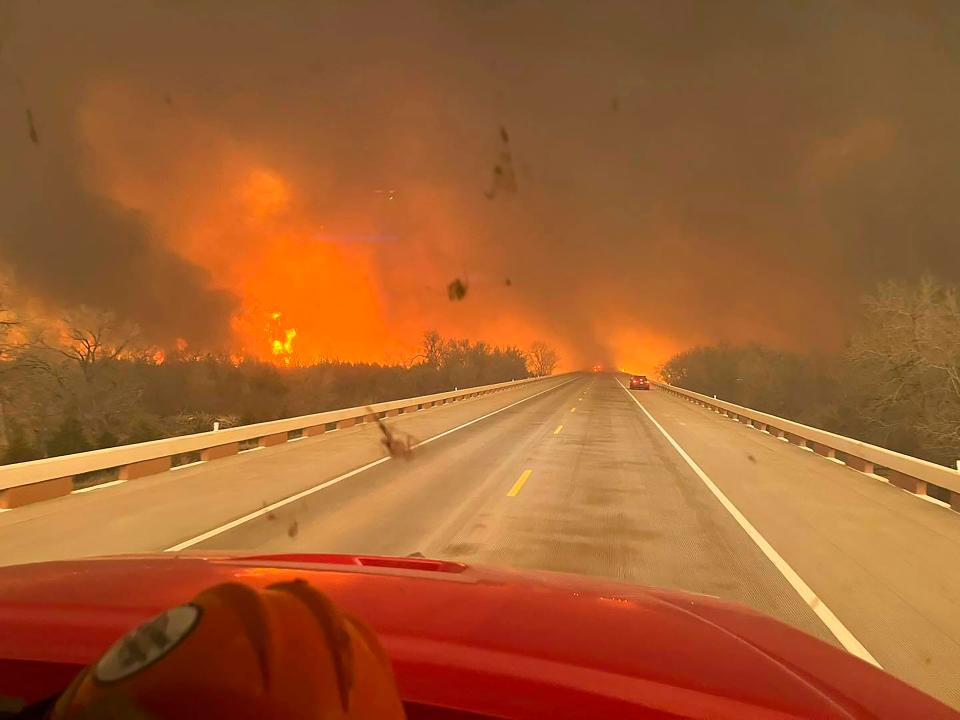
282, 241
284, 348
281, 347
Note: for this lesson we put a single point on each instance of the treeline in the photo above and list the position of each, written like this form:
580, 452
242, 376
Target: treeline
896, 383
93, 388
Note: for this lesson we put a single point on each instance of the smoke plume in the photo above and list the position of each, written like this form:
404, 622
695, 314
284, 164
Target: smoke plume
621, 179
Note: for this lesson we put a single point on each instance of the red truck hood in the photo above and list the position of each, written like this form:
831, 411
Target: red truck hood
494, 642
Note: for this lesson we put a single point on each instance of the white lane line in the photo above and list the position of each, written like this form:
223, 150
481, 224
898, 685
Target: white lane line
363, 468
816, 604
97, 487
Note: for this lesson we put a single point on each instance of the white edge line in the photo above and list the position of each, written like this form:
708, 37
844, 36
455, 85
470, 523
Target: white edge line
356, 471
484, 417
825, 614
188, 465
98, 486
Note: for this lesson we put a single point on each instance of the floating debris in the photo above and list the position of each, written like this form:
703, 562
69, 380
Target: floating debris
398, 445
504, 178
457, 290
32, 128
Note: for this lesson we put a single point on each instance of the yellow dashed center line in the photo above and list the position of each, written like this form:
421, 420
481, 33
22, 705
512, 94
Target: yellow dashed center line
519, 483
557, 431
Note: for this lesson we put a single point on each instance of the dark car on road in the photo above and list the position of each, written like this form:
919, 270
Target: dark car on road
639, 382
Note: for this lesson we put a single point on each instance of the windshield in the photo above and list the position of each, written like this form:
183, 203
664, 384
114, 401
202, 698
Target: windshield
378, 278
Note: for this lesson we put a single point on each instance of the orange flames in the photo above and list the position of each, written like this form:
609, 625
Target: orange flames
283, 348
280, 257
282, 239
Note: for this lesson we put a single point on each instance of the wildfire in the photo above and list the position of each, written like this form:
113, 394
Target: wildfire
159, 356
282, 348
285, 347
261, 235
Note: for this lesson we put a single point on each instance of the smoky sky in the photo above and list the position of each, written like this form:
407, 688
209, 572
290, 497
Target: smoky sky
63, 240
700, 171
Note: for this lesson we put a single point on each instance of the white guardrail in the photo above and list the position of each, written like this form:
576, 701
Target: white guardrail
909, 473
29, 482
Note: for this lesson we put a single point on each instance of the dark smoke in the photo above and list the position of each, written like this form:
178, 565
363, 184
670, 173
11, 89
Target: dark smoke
76, 248
697, 171
71, 246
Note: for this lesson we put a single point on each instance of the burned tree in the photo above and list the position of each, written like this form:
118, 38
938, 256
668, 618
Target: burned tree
542, 359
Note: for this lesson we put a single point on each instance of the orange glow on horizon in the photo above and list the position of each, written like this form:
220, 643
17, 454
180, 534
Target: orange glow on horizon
279, 240
640, 352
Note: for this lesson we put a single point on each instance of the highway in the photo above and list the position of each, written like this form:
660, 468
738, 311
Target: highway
573, 474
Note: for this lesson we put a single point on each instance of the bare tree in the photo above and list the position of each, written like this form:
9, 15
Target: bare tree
432, 348
542, 359
91, 337
17, 379
906, 360
94, 386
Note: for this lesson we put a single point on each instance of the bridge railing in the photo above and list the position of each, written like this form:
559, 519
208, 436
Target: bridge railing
29, 482
912, 474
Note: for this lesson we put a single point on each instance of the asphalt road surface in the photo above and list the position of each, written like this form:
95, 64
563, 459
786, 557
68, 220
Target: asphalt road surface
573, 474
